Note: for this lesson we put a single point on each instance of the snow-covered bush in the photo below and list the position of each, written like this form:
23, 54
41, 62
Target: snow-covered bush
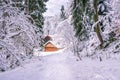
17, 37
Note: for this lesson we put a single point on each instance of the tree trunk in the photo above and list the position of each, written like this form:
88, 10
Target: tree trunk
97, 29
27, 6
4, 22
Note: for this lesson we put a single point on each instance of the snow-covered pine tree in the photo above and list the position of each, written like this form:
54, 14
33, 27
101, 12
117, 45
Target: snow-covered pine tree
63, 16
36, 10
81, 19
81, 14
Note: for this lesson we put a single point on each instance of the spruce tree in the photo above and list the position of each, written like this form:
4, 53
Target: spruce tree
81, 14
36, 8
62, 12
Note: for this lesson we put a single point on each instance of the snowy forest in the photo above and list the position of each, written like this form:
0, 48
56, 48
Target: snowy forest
59, 39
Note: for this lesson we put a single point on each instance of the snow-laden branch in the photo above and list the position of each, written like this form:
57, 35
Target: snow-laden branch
102, 19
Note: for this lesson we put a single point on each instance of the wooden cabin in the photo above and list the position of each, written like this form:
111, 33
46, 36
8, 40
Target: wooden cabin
50, 47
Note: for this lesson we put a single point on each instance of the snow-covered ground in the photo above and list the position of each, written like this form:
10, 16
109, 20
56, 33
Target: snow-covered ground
63, 66
37, 52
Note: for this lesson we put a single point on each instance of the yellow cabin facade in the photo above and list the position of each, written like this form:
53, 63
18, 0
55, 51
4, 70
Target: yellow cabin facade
50, 47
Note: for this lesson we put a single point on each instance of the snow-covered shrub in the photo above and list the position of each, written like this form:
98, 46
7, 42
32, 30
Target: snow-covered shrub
9, 57
17, 37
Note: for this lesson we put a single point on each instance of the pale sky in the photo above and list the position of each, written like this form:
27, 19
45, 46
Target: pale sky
54, 7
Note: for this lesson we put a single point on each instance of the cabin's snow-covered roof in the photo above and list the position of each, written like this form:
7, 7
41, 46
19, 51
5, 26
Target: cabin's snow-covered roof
54, 43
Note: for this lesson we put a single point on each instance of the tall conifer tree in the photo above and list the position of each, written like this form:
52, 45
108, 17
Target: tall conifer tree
36, 9
81, 14
63, 12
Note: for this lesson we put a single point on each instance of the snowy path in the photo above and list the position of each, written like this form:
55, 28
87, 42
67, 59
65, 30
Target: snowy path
65, 67
57, 68
52, 67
